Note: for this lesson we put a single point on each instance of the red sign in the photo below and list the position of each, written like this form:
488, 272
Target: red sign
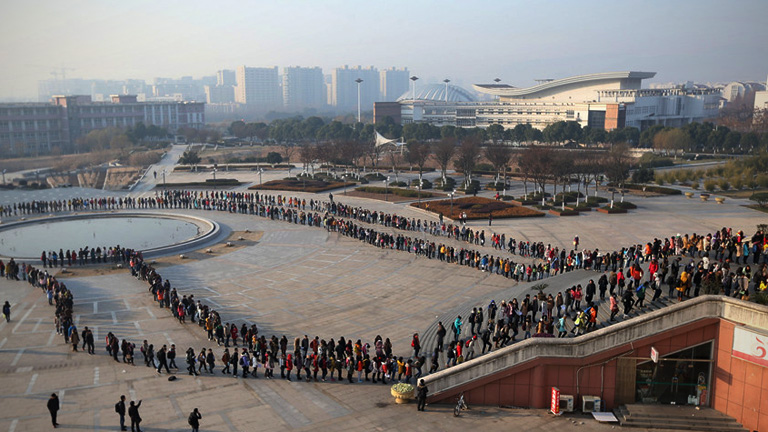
654, 355
555, 403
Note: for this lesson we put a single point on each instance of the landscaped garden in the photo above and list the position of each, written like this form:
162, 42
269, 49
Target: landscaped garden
478, 208
299, 185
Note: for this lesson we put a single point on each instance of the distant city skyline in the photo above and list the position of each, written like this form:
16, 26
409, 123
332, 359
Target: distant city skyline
686, 40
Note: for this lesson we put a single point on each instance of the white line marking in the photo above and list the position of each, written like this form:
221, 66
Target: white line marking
23, 318
39, 321
96, 376
114, 318
169, 339
18, 356
95, 307
77, 320
3, 342
127, 306
97, 421
152, 314
31, 384
132, 394
13, 425
138, 328
50, 338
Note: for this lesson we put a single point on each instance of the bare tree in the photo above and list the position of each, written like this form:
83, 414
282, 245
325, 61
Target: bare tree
498, 155
287, 150
466, 158
538, 161
618, 161
443, 153
394, 158
307, 156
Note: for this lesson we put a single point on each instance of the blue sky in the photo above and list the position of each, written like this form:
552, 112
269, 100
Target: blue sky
468, 42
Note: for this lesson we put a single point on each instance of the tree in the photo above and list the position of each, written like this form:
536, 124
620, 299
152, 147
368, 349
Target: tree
307, 156
466, 158
189, 157
274, 158
672, 141
498, 155
443, 152
495, 132
418, 153
617, 164
287, 150
537, 162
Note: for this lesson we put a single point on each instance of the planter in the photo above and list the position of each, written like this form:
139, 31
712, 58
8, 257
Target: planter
614, 210
689, 195
704, 196
720, 200
402, 397
564, 213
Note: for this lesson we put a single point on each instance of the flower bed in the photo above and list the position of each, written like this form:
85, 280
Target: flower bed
407, 193
478, 208
561, 212
402, 392
608, 210
300, 185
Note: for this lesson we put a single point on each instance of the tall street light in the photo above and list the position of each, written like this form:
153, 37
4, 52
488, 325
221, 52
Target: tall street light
358, 81
446, 81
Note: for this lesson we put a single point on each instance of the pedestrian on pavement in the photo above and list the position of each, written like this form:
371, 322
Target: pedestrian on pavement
133, 413
120, 409
7, 311
421, 394
194, 420
53, 408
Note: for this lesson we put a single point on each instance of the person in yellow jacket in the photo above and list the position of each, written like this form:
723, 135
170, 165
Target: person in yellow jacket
683, 285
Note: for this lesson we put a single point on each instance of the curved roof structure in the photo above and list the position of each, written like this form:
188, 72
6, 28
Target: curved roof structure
436, 92
586, 80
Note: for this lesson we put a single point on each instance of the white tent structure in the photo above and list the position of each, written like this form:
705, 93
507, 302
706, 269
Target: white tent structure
382, 141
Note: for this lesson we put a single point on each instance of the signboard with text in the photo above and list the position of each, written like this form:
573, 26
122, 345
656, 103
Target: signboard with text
750, 346
555, 402
654, 355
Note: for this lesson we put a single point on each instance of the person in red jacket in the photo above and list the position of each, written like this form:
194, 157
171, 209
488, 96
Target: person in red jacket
416, 345
288, 366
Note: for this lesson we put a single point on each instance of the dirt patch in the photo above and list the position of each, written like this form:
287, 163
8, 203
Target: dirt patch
238, 240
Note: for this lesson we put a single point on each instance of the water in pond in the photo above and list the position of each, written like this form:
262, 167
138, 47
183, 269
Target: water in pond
130, 232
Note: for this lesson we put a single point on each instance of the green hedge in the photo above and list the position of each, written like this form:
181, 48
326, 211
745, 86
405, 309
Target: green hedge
649, 188
406, 193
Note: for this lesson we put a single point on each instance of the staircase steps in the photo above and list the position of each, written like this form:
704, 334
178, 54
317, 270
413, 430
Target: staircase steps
676, 417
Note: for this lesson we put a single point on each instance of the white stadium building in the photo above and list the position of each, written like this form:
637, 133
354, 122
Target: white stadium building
608, 101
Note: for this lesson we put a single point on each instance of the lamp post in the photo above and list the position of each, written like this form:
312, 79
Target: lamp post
4, 176
413, 87
164, 185
446, 81
358, 81
451, 195
261, 171
214, 178
421, 182
386, 189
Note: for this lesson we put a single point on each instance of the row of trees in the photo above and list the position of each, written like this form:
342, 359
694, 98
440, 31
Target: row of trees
703, 137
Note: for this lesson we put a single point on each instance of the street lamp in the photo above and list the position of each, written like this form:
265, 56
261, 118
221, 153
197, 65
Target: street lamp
164, 186
4, 176
386, 189
451, 195
413, 87
446, 81
214, 178
261, 170
358, 81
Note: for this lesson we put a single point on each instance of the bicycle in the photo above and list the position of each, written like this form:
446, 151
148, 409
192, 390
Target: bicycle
460, 405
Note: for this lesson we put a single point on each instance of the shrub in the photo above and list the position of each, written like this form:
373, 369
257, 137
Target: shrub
737, 182
375, 177
298, 185
695, 185
724, 184
761, 198
709, 185
406, 193
398, 184
425, 184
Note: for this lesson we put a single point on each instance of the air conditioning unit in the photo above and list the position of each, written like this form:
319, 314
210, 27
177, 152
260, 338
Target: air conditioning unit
590, 404
566, 403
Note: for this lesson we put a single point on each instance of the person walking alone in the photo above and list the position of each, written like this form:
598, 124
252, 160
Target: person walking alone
53, 408
120, 409
7, 311
194, 420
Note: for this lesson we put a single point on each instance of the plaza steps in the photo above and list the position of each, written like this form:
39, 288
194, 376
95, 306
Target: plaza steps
677, 417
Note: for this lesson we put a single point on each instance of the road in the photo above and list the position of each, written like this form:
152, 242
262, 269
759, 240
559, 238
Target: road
149, 180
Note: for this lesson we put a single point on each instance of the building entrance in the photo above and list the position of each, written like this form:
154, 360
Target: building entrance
679, 378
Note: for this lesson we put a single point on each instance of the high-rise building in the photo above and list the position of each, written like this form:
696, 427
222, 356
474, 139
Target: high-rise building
258, 87
219, 94
344, 87
303, 87
226, 77
393, 83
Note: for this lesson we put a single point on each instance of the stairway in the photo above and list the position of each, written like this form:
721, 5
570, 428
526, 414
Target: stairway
675, 417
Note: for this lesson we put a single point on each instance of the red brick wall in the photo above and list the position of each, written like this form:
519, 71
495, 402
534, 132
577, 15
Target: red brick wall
740, 387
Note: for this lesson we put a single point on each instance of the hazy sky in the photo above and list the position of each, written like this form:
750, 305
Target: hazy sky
467, 41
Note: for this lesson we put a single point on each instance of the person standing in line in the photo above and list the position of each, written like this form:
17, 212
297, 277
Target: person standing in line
89, 341
7, 311
120, 409
194, 420
53, 408
133, 413
421, 394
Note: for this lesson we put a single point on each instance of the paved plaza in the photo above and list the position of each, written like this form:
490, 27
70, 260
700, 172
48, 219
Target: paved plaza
295, 280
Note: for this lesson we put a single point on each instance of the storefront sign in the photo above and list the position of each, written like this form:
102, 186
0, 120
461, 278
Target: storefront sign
555, 402
750, 346
654, 355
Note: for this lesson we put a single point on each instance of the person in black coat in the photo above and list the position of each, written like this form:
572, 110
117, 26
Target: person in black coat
133, 413
194, 420
53, 408
421, 394
120, 409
